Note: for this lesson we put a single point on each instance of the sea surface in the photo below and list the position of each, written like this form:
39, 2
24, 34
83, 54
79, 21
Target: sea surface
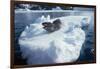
21, 20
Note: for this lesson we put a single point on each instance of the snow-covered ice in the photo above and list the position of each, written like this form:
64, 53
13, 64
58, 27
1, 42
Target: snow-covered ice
64, 45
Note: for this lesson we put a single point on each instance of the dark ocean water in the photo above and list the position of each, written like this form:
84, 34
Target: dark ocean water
24, 19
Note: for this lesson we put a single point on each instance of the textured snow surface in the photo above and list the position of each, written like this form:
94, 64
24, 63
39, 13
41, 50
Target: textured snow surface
64, 45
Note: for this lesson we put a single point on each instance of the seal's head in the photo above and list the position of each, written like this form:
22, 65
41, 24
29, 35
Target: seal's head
51, 27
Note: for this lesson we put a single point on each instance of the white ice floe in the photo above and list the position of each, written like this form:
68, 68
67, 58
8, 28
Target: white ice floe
63, 45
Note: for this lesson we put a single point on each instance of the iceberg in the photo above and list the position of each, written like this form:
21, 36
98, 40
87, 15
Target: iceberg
64, 45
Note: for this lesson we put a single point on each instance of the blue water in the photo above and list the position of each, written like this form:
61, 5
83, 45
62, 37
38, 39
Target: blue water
24, 19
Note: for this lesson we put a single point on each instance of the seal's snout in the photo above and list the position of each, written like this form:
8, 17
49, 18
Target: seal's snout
48, 26
51, 27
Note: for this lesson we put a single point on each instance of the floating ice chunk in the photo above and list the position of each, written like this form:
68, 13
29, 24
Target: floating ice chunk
48, 18
85, 21
57, 8
43, 19
60, 46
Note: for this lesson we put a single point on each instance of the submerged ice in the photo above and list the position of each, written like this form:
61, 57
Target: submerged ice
39, 46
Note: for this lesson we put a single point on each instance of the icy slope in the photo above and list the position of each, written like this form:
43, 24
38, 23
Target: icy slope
64, 45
